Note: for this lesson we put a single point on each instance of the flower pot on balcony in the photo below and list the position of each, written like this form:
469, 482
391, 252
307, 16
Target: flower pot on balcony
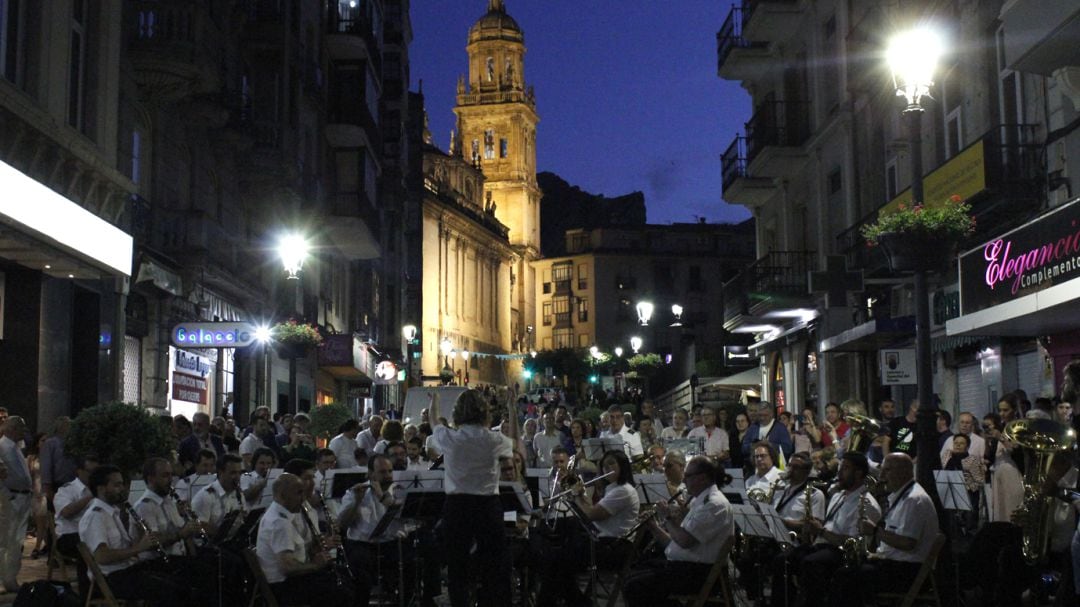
917, 251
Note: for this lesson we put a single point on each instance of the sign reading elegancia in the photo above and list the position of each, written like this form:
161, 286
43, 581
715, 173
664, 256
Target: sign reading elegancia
1035, 256
213, 335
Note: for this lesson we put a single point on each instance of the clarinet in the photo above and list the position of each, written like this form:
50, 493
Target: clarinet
339, 555
141, 524
189, 516
322, 541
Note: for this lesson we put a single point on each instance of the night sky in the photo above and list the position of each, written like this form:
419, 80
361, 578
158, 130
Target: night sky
626, 90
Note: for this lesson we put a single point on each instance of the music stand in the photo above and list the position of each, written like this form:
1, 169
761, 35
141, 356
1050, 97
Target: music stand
332, 488
226, 526
388, 517
420, 479
951, 488
595, 448
197, 484
768, 515
651, 488
423, 503
512, 496
536, 486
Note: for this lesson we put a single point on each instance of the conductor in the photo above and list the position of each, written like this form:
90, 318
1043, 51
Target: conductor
473, 514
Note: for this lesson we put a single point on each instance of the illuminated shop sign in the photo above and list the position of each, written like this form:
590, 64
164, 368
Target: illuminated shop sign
213, 335
1033, 257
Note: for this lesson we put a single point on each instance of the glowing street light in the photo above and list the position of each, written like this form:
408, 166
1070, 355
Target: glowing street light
594, 352
676, 311
618, 351
262, 334
635, 344
293, 250
445, 346
644, 312
409, 333
913, 57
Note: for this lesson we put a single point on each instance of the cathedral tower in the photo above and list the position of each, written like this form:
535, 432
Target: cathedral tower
496, 126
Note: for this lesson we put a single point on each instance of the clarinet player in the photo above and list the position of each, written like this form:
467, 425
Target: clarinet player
473, 513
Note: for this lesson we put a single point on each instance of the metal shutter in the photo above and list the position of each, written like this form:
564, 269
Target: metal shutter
971, 392
1029, 374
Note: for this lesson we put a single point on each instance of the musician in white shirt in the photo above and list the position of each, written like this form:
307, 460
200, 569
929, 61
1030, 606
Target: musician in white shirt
221, 497
617, 427
766, 475
253, 483
473, 512
691, 536
344, 445
70, 502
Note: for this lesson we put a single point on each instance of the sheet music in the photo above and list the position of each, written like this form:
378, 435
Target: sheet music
763, 521
198, 483
651, 488
951, 489
425, 479
596, 447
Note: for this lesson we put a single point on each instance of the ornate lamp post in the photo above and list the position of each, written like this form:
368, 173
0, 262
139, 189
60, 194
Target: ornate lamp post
676, 311
292, 249
644, 312
635, 344
408, 333
913, 56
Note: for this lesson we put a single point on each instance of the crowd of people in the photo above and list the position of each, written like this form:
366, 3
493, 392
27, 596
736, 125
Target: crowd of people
859, 522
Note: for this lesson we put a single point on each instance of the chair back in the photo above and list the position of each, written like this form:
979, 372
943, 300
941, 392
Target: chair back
718, 572
107, 596
262, 587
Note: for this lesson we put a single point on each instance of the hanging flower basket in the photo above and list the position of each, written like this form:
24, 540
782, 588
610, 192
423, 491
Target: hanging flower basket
293, 339
921, 238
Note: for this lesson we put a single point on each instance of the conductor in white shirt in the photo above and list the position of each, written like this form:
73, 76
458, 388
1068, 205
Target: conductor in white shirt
617, 427
473, 512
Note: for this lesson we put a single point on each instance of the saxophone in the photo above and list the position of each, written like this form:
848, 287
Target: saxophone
808, 515
857, 549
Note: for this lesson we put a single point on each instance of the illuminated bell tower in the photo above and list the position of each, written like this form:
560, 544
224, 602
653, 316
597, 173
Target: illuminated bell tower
496, 126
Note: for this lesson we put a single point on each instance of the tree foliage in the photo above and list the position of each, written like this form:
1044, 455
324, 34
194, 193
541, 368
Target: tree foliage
326, 419
121, 434
644, 365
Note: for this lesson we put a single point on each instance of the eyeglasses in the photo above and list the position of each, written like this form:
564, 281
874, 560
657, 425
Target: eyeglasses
761, 455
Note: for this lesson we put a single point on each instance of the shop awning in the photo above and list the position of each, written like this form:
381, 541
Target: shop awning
750, 378
50, 233
870, 336
1045, 312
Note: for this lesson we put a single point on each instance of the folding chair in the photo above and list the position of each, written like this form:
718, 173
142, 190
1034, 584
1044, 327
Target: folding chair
55, 560
107, 597
718, 573
262, 586
916, 593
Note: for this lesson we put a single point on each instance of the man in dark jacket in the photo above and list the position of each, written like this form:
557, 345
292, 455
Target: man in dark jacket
766, 428
200, 438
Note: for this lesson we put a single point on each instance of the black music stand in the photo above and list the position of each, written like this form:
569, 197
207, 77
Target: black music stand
593, 533
423, 503
652, 487
956, 501
341, 482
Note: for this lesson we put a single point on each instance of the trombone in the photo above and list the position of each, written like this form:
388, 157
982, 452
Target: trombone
562, 494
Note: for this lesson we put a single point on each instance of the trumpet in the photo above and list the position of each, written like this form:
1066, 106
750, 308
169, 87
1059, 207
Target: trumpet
141, 524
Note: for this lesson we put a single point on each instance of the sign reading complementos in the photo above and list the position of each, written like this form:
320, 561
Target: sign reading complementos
1035, 256
213, 335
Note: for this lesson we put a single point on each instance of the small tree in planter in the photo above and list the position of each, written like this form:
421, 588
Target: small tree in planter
121, 434
919, 237
326, 419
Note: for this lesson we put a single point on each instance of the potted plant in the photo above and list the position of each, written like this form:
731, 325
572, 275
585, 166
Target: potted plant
294, 338
121, 434
327, 419
921, 237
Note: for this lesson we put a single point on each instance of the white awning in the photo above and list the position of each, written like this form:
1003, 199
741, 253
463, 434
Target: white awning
749, 377
31, 208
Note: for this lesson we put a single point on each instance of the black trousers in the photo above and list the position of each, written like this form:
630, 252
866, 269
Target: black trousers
320, 588
813, 566
561, 565
149, 581
389, 561
855, 587
476, 520
68, 546
650, 583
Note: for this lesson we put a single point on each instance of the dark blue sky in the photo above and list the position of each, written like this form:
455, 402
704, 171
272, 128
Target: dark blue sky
626, 90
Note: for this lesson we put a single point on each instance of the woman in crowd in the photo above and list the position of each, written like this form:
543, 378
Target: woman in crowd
742, 424
392, 431
529, 429
575, 442
1007, 481
300, 446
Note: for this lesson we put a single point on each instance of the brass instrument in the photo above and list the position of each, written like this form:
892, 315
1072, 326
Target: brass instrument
808, 515
765, 495
563, 494
863, 432
320, 539
189, 517
1042, 440
141, 524
857, 549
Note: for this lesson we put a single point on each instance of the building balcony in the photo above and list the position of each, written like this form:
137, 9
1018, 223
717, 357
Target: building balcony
562, 287
738, 57
739, 186
775, 135
265, 26
1000, 175
349, 124
174, 46
773, 20
1040, 36
351, 36
777, 281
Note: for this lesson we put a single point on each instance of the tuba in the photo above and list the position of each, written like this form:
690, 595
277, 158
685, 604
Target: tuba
1042, 441
863, 432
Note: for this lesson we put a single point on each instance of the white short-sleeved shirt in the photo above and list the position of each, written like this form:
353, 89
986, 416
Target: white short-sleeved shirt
716, 442
250, 444
161, 516
472, 456
842, 513
365, 440
710, 521
543, 444
764, 482
622, 503
183, 486
631, 441
65, 496
278, 535
911, 514
369, 513
671, 432
791, 503
213, 503
344, 449
101, 524
248, 479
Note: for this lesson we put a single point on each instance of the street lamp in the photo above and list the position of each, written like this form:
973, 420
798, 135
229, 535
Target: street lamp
465, 357
912, 58
676, 311
293, 250
644, 312
446, 347
408, 332
635, 344
618, 351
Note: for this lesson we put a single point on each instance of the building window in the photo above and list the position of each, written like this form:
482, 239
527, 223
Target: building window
547, 313
132, 369
490, 69
951, 102
583, 340
77, 65
891, 180
836, 182
562, 311
582, 309
475, 150
10, 42
563, 338
489, 144
504, 147
582, 277
547, 288
561, 275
